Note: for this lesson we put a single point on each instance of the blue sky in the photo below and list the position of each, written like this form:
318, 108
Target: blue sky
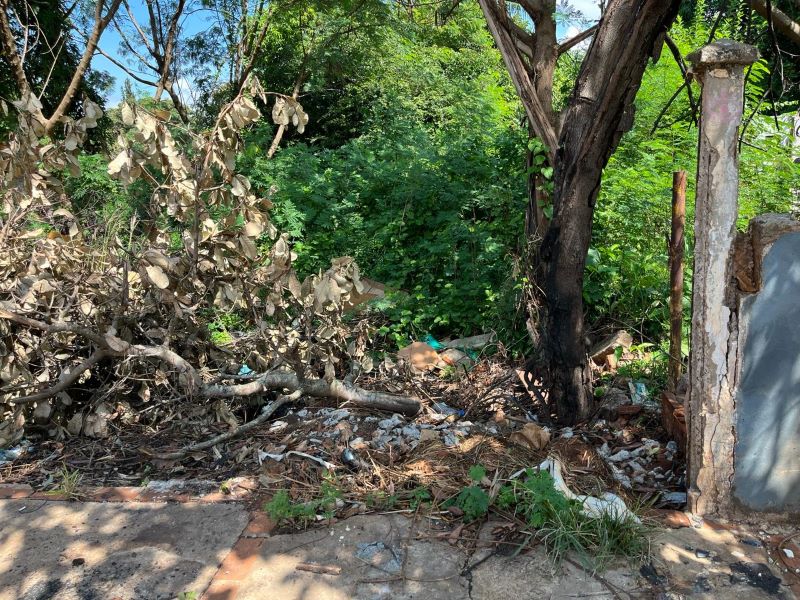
111, 44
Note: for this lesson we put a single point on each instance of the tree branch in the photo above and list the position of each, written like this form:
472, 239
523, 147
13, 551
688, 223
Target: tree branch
534, 108
67, 378
112, 345
100, 23
10, 50
783, 22
127, 70
676, 53
266, 413
569, 44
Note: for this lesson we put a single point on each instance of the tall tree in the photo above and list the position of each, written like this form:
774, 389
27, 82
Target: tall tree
153, 47
578, 143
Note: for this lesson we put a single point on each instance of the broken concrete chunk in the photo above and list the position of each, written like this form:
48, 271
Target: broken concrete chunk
619, 339
335, 416
428, 435
391, 423
411, 432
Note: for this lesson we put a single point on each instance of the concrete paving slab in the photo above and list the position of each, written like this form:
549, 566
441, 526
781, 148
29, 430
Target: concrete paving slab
102, 551
371, 552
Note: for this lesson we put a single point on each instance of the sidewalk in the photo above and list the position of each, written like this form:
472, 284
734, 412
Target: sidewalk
205, 548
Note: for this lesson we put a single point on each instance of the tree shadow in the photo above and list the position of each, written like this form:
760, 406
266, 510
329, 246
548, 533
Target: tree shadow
100, 551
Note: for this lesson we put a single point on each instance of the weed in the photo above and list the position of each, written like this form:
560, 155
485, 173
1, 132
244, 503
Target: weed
69, 483
473, 500
187, 596
558, 521
419, 497
281, 507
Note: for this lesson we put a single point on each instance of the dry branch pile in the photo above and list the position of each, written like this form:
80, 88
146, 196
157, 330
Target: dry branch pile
90, 320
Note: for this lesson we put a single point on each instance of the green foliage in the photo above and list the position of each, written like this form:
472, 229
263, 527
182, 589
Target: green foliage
420, 496
416, 172
556, 520
99, 201
282, 508
221, 324
652, 364
535, 499
69, 483
627, 276
473, 500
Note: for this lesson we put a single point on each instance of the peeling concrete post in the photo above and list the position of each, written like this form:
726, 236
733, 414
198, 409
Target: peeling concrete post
714, 354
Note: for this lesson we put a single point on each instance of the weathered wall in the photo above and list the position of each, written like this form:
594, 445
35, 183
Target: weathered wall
767, 398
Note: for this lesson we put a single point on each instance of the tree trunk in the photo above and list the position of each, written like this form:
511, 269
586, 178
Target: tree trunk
599, 112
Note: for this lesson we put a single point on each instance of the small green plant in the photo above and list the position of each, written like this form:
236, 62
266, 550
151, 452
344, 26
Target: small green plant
536, 500
380, 500
70, 481
652, 365
419, 497
281, 507
187, 596
557, 521
473, 500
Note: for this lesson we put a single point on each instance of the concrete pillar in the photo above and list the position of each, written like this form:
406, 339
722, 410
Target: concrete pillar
719, 67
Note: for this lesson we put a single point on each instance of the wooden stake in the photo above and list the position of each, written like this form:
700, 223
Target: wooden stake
676, 275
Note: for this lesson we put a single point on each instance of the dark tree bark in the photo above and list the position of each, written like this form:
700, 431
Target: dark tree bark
599, 111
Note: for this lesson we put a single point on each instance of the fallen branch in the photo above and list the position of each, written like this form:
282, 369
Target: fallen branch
321, 569
113, 346
318, 388
68, 377
266, 413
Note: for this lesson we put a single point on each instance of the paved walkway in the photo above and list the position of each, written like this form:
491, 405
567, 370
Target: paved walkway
220, 551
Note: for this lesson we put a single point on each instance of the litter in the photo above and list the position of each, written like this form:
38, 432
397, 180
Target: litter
444, 409
244, 371
675, 498
610, 504
9, 454
531, 436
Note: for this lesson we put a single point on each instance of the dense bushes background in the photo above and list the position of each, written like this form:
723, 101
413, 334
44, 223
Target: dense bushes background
413, 163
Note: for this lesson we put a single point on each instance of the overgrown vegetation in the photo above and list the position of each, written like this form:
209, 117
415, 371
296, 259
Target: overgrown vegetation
397, 142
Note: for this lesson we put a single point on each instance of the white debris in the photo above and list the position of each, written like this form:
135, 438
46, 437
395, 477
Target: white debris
610, 504
410, 431
788, 553
277, 457
278, 426
449, 439
620, 456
